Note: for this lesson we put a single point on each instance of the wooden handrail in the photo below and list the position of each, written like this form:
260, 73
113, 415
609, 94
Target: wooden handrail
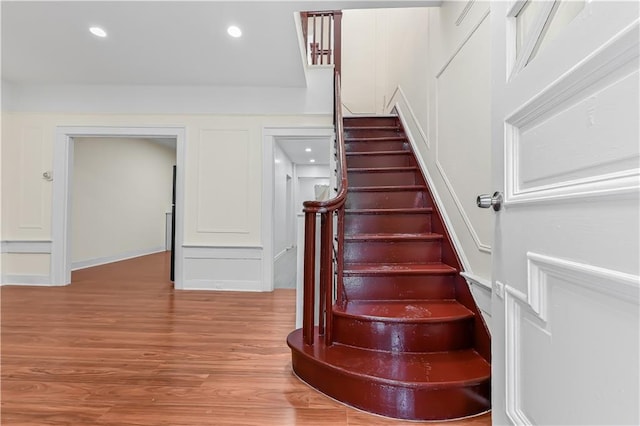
326, 209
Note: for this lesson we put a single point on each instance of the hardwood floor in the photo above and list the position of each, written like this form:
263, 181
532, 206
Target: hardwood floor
119, 347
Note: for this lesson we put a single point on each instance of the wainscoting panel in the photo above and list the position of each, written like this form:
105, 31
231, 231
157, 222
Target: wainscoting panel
26, 262
572, 317
463, 130
223, 268
481, 291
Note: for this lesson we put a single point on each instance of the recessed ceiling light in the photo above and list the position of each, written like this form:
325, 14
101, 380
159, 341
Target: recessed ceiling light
98, 32
312, 161
307, 150
234, 31
277, 161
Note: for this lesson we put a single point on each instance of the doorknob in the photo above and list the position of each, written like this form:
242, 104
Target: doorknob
485, 201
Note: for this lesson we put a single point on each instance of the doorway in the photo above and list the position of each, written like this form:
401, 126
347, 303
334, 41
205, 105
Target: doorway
62, 255
282, 139
121, 198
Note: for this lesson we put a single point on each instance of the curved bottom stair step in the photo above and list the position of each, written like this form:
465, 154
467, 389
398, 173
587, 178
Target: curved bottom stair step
412, 386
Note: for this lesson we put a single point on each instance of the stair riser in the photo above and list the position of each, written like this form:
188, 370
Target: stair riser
387, 223
399, 287
370, 121
403, 337
374, 146
392, 252
372, 133
386, 199
381, 160
394, 178
401, 402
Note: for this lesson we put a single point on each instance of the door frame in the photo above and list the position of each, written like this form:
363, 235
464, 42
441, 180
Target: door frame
62, 191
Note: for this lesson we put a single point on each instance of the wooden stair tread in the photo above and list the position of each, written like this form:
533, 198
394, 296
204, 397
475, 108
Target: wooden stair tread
397, 269
387, 188
381, 169
394, 127
427, 236
409, 210
404, 310
370, 153
408, 369
348, 139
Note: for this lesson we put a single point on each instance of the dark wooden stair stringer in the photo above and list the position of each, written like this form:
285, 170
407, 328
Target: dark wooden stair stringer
408, 340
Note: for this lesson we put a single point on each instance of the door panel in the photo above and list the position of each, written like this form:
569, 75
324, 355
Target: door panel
566, 252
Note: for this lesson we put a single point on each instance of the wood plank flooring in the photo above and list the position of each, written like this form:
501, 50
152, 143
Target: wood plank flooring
119, 347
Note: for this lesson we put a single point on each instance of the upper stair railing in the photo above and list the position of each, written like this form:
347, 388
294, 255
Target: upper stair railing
323, 37
331, 258
318, 28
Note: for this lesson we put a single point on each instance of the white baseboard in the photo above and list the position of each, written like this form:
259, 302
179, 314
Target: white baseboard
82, 264
223, 268
16, 279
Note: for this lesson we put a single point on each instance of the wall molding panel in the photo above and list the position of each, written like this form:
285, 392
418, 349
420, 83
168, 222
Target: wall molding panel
462, 44
464, 12
482, 246
398, 96
223, 268
31, 208
25, 246
532, 308
215, 201
607, 74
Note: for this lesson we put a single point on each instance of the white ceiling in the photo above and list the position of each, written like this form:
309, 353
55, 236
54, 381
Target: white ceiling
159, 42
295, 150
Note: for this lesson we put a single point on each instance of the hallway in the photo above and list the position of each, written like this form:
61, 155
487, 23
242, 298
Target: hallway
119, 347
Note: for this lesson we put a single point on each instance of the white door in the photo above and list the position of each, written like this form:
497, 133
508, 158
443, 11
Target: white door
565, 134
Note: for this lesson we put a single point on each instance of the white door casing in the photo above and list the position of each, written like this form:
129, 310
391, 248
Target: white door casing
565, 111
63, 172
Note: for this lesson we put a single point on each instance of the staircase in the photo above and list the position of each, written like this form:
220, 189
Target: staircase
407, 340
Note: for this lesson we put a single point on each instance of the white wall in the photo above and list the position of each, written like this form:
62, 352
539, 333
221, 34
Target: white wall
307, 177
316, 98
433, 66
283, 219
121, 192
223, 242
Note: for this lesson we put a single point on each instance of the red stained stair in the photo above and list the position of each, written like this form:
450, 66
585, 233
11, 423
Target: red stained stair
407, 340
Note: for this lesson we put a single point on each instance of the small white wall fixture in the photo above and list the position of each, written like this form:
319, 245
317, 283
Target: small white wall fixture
62, 180
269, 136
